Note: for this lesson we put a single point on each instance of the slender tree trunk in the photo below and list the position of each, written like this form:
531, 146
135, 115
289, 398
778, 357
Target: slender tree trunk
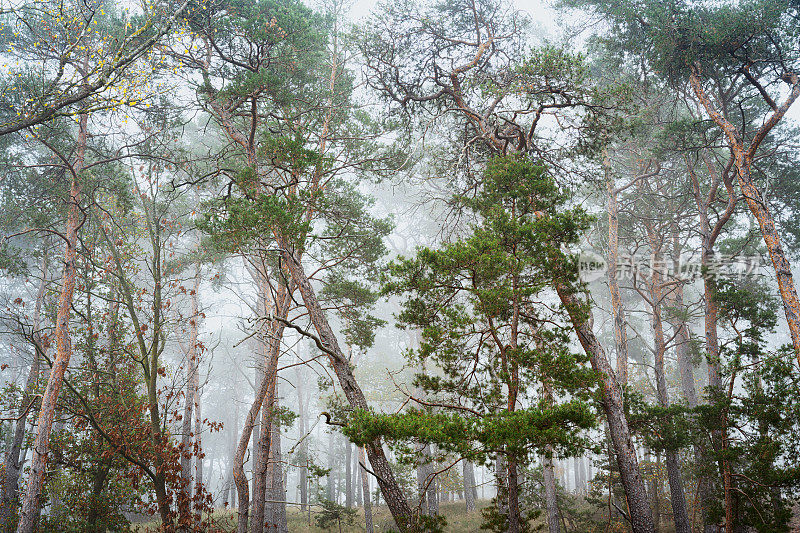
682, 337
9, 498
677, 496
276, 493
357, 479
41, 445
330, 492
195, 351
262, 462
620, 331
348, 475
395, 499
514, 512
229, 493
198, 434
708, 236
550, 492
301, 418
627, 462
191, 401
265, 388
501, 484
365, 489
432, 495
184, 503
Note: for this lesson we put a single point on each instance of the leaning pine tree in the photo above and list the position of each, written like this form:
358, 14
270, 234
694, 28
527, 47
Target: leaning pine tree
501, 378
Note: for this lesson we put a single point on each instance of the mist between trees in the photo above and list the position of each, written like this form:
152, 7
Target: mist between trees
267, 269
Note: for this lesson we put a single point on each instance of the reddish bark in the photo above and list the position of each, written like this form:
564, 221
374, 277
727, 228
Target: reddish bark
41, 445
743, 157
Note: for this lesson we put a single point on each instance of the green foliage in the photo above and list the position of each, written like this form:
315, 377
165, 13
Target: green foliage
677, 34
500, 354
334, 514
264, 47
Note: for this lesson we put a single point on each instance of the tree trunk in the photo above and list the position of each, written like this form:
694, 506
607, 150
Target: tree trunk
198, 434
9, 498
620, 331
357, 479
627, 462
755, 201
276, 493
677, 496
348, 475
191, 402
41, 445
265, 388
514, 513
468, 472
330, 492
550, 491
229, 492
301, 420
262, 462
708, 236
365, 489
395, 499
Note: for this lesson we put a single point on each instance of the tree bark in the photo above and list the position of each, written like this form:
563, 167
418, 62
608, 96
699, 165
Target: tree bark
41, 445
468, 472
755, 201
550, 492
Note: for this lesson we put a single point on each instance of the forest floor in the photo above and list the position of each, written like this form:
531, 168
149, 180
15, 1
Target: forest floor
458, 520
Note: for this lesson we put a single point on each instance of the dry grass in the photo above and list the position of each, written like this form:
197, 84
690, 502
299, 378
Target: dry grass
458, 520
